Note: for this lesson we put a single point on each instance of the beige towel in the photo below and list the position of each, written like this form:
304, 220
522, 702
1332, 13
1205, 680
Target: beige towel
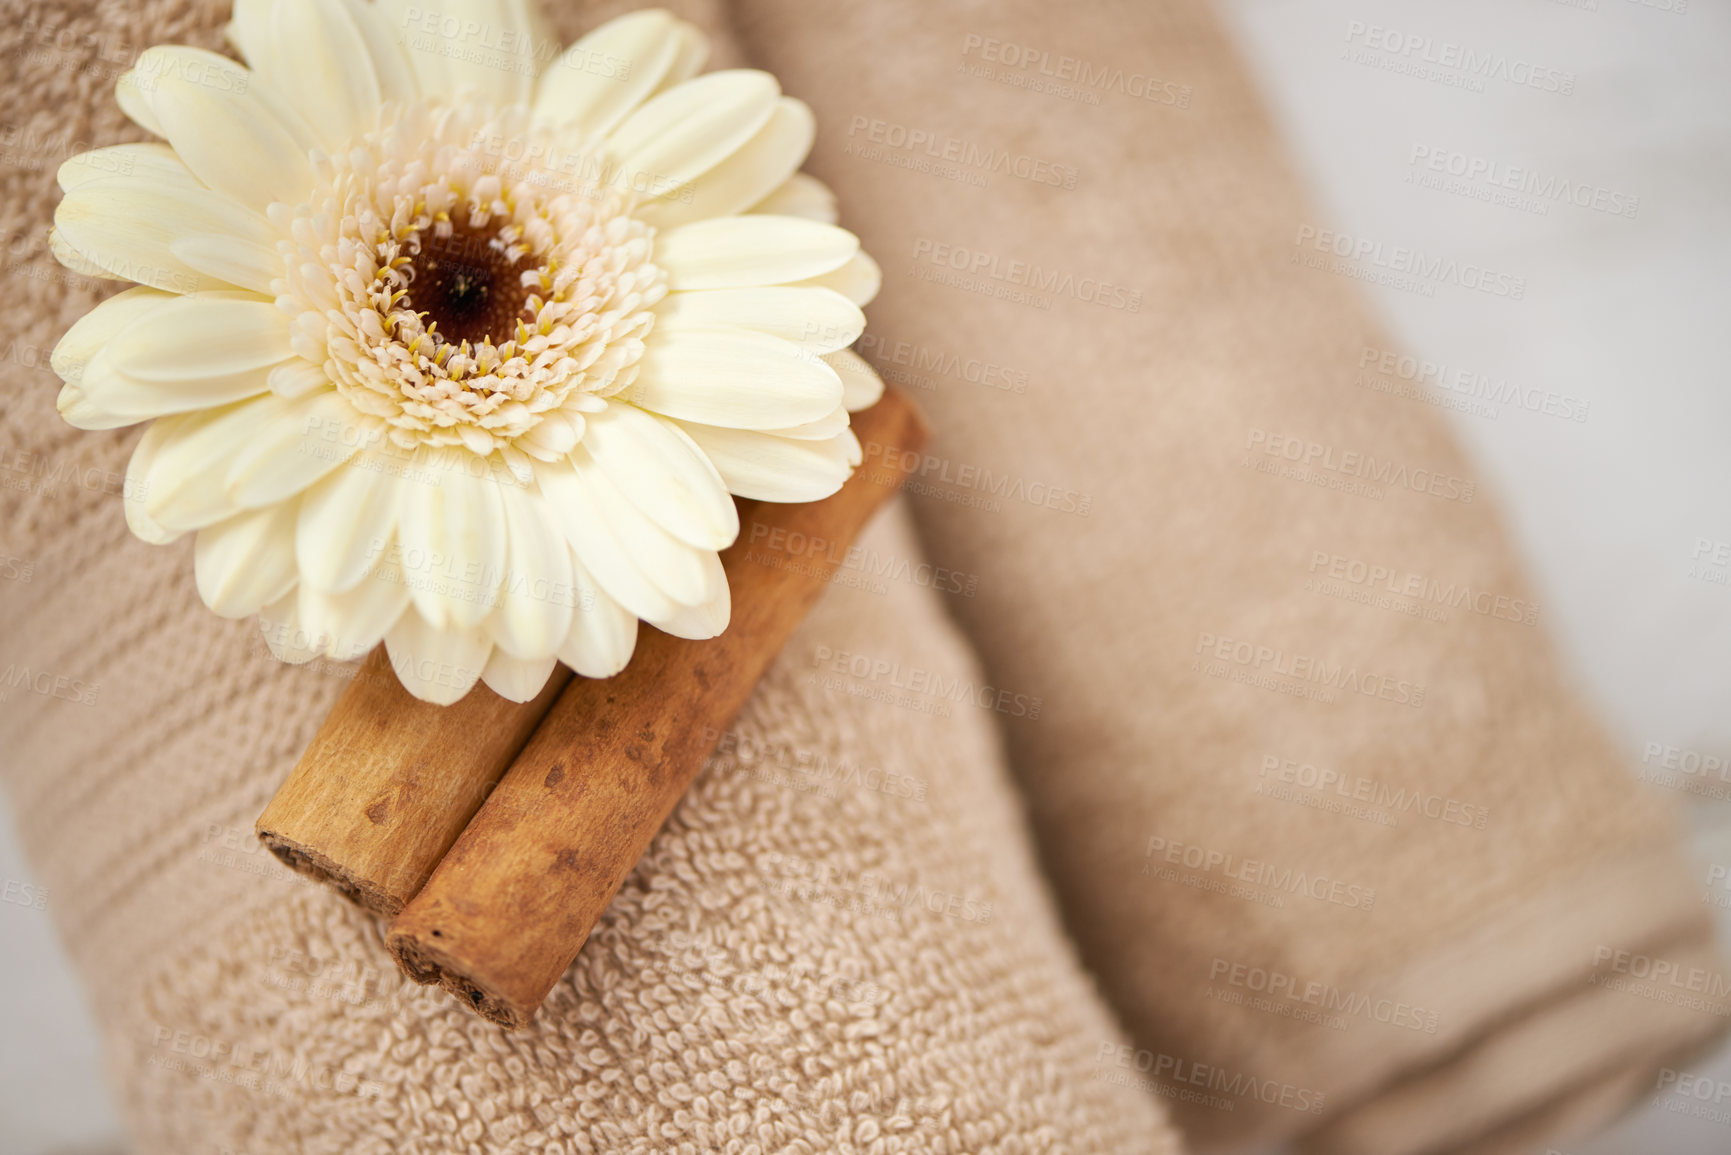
838, 943
1343, 847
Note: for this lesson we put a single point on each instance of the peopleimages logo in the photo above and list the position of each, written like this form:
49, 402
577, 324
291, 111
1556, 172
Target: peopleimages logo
1024, 275
1477, 64
1412, 262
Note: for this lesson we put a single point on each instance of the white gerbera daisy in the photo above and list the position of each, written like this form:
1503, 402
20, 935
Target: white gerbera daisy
450, 343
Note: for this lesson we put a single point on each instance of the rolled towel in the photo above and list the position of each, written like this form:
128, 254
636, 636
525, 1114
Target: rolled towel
1346, 851
838, 943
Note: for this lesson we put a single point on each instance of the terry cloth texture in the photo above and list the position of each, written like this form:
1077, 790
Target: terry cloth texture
839, 942
1347, 854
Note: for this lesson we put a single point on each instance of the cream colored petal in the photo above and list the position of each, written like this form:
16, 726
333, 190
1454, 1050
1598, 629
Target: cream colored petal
138, 161
297, 378
739, 252
451, 526
137, 485
391, 67
91, 333
597, 550
247, 562
536, 593
770, 468
205, 335
288, 638
226, 133
745, 177
130, 96
708, 619
820, 430
801, 195
688, 130
436, 665
859, 280
664, 474
323, 68
414, 27
102, 397
676, 568
184, 488
817, 320
347, 520
306, 439
127, 230
348, 625
689, 60
241, 263
129, 224
860, 384
486, 46
602, 78
603, 633
736, 378
517, 679
76, 261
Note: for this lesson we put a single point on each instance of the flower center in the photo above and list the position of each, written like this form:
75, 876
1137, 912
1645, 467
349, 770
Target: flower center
456, 297
469, 286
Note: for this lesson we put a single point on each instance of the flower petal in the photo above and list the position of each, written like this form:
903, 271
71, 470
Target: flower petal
183, 487
771, 468
664, 474
288, 639
484, 44
820, 430
818, 320
675, 567
396, 78
129, 94
860, 384
247, 562
436, 665
93, 331
689, 60
348, 625
137, 485
737, 378
598, 81
323, 67
603, 633
242, 263
122, 160
688, 130
102, 397
308, 438
753, 171
708, 619
859, 280
517, 679
451, 525
737, 252
536, 592
204, 335
801, 195
226, 133
346, 522
127, 225
598, 552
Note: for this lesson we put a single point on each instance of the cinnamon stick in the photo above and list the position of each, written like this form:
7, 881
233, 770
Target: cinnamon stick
516, 896
390, 781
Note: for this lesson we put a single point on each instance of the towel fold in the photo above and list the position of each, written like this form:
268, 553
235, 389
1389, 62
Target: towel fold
838, 943
1346, 851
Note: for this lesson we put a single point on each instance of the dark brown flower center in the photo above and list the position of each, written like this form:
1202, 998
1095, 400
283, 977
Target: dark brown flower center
467, 286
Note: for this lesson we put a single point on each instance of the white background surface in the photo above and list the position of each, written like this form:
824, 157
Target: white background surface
1631, 315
